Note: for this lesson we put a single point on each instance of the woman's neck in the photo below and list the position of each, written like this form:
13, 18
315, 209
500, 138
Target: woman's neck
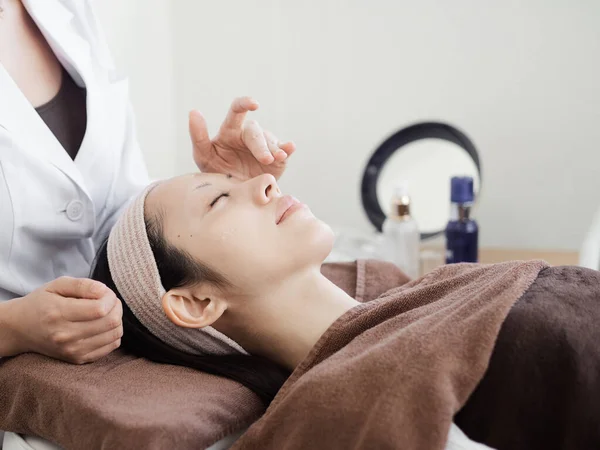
286, 322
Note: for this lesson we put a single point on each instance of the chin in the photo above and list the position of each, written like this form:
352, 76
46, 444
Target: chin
312, 244
322, 241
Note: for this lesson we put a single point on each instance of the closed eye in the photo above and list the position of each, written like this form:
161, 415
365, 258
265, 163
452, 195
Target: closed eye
225, 194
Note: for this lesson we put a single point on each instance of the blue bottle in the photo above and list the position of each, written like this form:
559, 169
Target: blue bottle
462, 231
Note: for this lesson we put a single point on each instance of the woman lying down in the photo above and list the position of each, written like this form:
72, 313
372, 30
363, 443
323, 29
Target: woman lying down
223, 275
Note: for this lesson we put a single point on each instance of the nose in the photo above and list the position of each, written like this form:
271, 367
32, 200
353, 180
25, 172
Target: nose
264, 188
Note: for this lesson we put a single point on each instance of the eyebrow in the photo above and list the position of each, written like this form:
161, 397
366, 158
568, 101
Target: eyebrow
228, 175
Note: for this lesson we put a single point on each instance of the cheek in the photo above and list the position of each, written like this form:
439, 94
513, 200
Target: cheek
251, 251
234, 244
223, 238
227, 234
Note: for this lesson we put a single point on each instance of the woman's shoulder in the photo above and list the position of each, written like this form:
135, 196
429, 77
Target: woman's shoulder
365, 279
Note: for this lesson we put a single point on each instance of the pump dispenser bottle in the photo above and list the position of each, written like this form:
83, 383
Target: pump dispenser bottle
462, 231
401, 234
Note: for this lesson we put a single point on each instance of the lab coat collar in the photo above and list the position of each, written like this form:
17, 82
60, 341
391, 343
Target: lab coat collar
64, 35
28, 131
57, 24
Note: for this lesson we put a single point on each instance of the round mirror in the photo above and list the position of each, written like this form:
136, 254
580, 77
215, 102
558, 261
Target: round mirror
427, 155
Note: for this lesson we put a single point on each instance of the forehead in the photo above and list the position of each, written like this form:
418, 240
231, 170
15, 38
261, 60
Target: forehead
175, 191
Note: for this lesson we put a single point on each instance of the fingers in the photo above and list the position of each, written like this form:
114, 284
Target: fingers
274, 148
85, 330
237, 113
263, 145
110, 339
95, 355
254, 138
97, 338
77, 288
288, 147
84, 310
199, 135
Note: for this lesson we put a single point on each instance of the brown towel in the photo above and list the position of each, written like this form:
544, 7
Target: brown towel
392, 373
124, 402
542, 387
365, 279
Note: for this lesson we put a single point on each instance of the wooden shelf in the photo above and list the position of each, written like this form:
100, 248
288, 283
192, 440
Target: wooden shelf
432, 256
553, 257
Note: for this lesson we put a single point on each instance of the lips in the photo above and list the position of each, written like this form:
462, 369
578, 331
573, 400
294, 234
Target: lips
284, 204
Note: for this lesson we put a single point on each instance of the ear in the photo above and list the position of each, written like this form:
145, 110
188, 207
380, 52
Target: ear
193, 307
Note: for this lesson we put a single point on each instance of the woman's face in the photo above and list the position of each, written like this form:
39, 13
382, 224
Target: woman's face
246, 230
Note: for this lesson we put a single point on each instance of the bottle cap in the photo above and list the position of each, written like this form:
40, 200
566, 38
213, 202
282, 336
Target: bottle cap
461, 190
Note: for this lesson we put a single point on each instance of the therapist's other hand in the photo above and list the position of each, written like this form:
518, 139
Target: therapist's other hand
241, 148
77, 320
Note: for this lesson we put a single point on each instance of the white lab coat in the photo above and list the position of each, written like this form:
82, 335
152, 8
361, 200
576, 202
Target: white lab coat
55, 212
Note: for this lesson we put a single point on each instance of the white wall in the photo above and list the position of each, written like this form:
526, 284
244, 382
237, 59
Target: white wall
338, 76
139, 33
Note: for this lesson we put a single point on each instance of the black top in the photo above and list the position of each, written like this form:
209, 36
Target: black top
66, 115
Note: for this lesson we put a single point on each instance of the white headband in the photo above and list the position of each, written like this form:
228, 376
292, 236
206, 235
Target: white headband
134, 271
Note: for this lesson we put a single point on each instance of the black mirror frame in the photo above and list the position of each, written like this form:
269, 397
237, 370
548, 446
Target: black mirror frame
412, 133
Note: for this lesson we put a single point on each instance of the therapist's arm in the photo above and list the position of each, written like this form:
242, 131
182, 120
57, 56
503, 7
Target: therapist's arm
73, 319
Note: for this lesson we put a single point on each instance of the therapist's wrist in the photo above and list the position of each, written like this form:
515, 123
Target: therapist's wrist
9, 342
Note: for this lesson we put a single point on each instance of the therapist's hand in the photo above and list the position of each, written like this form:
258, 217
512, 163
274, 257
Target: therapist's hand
77, 320
241, 148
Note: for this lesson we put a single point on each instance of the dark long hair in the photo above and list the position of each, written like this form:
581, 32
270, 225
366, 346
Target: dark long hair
176, 269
